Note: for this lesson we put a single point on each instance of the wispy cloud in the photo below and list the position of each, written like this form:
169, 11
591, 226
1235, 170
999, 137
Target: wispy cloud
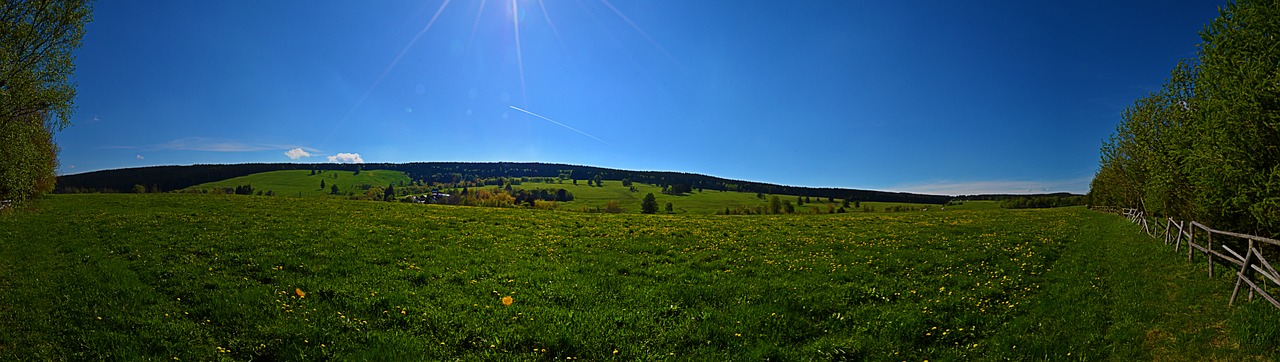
296, 153
346, 158
216, 145
1076, 185
221, 145
139, 157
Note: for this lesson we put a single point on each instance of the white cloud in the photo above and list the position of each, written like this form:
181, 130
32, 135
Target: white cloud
296, 153
346, 158
139, 157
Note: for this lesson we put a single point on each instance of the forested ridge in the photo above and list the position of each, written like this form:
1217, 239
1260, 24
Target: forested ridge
1206, 146
168, 178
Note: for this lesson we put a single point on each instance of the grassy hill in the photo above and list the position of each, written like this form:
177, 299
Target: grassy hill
301, 183
163, 276
696, 202
168, 178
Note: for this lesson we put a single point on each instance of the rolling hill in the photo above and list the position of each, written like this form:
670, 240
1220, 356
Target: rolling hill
168, 178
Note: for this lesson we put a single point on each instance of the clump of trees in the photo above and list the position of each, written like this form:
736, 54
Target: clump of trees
37, 41
1206, 146
676, 189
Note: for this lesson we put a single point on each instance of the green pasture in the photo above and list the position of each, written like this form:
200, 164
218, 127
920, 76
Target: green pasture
301, 183
297, 183
705, 202
974, 205
233, 277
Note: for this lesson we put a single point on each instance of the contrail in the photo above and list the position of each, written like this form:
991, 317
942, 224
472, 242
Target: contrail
561, 124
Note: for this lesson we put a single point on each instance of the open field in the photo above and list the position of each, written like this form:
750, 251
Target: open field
294, 183
246, 277
697, 202
302, 183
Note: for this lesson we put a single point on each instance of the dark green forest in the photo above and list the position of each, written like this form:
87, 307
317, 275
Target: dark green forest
1206, 146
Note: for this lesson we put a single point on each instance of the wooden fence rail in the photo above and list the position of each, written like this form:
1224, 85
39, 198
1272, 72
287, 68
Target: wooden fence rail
1176, 232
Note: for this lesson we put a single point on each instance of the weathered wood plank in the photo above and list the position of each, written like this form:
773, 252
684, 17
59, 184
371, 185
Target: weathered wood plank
1238, 235
1228, 258
1264, 294
1270, 272
1242, 276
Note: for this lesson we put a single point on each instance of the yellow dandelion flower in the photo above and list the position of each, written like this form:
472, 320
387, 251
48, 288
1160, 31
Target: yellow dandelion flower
507, 300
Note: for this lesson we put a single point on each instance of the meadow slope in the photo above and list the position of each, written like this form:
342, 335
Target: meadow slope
301, 183
246, 277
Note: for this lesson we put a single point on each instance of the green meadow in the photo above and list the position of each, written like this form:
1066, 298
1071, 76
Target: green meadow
301, 183
235, 277
695, 202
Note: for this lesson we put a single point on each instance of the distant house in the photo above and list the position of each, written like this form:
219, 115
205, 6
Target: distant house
436, 197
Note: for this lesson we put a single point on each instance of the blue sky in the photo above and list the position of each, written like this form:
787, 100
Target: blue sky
921, 96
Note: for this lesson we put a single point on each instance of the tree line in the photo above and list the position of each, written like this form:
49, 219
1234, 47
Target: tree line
1206, 145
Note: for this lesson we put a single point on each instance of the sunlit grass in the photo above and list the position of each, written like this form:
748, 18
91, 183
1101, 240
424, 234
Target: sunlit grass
245, 277
294, 183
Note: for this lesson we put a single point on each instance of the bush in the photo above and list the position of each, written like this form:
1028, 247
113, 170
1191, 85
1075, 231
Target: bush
30, 161
612, 207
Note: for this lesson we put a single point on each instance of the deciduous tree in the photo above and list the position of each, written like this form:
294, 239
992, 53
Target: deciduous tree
37, 41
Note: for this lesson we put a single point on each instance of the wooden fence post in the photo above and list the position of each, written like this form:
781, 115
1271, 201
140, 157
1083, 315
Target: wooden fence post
1168, 223
1209, 256
1191, 241
1248, 260
1178, 242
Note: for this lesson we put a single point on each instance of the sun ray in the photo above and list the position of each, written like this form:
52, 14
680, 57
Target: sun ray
547, 16
474, 25
515, 20
614, 39
388, 69
642, 33
554, 31
561, 124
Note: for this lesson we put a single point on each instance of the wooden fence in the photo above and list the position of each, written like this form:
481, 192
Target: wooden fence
1199, 239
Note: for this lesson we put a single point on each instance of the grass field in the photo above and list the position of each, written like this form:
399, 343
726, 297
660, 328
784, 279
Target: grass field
295, 183
245, 277
704, 202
